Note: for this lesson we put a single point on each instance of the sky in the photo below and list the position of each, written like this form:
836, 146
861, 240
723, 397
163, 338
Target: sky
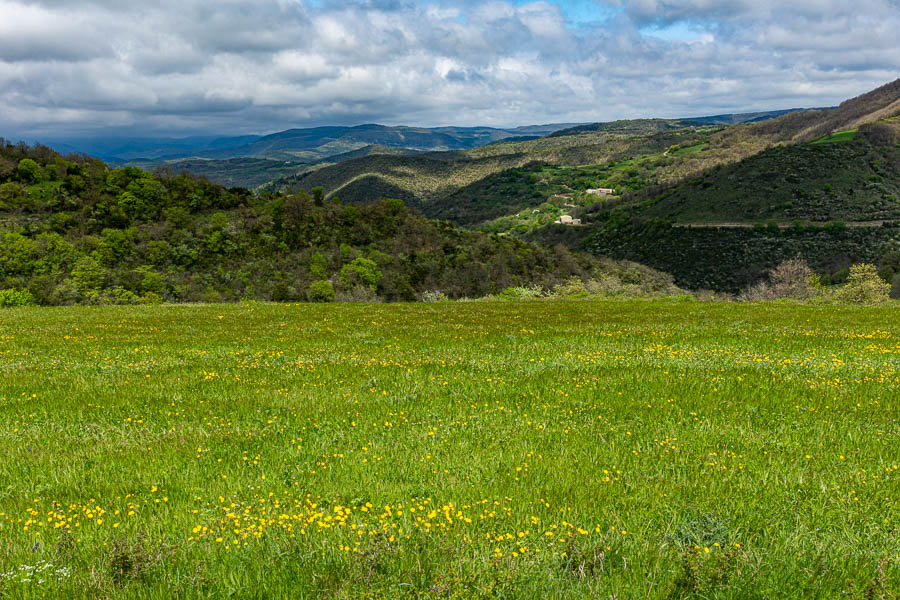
72, 68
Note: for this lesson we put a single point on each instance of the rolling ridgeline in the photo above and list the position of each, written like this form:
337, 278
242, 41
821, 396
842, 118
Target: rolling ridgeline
714, 203
74, 230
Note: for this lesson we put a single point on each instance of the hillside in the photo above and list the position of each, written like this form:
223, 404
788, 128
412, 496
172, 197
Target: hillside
75, 230
460, 185
767, 183
879, 104
721, 213
463, 186
298, 145
323, 142
650, 126
229, 172
854, 180
833, 202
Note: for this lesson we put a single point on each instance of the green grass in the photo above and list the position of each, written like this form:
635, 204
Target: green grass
837, 136
559, 449
689, 150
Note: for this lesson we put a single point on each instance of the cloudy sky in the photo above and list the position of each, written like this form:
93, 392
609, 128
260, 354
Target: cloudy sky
186, 67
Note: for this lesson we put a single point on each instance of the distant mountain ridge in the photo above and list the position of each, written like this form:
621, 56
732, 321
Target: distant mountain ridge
644, 126
300, 144
315, 144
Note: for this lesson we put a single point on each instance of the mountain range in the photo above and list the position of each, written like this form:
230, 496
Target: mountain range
298, 145
714, 201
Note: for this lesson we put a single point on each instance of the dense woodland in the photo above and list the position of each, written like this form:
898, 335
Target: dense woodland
75, 230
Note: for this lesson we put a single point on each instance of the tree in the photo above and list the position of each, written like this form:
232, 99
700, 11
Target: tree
318, 196
317, 267
790, 279
11, 195
88, 275
889, 265
321, 291
864, 286
29, 171
361, 271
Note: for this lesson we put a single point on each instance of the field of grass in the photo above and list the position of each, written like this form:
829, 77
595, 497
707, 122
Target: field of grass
837, 136
548, 449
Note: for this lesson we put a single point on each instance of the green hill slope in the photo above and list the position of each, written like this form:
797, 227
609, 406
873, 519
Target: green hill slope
74, 230
461, 185
852, 180
871, 107
795, 189
823, 184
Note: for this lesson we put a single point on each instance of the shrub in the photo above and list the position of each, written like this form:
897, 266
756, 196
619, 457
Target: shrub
321, 291
791, 279
889, 265
150, 298
10, 195
358, 293
151, 281
895, 287
522, 292
434, 296
88, 275
572, 288
611, 286
29, 171
317, 267
13, 297
605, 286
864, 286
361, 271
117, 295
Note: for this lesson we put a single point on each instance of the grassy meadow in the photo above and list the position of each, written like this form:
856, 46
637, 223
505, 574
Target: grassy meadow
546, 449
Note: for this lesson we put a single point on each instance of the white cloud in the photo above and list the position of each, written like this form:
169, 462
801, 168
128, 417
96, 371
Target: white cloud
234, 66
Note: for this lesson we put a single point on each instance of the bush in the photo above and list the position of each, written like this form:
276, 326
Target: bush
11, 195
150, 298
29, 171
791, 279
361, 271
611, 286
895, 287
434, 296
317, 266
321, 291
572, 288
864, 286
889, 265
151, 281
359, 293
13, 297
522, 292
88, 275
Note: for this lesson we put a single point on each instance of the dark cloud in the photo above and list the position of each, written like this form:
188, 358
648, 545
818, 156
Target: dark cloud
235, 66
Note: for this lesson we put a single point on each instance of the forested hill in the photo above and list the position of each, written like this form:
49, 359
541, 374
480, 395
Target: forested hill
74, 230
